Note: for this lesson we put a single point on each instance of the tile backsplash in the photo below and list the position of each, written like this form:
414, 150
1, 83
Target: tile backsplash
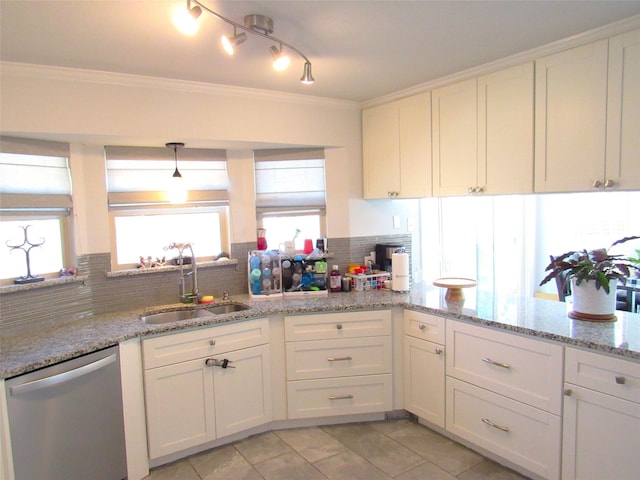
100, 293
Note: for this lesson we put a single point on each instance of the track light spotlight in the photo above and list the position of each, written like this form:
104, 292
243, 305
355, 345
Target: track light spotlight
307, 78
281, 60
229, 43
186, 20
259, 25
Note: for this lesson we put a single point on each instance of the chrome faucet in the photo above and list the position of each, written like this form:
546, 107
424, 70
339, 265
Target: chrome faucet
184, 297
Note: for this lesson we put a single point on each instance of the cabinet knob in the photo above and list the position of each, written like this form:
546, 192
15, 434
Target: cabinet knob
339, 326
422, 327
596, 184
392, 194
609, 183
439, 351
470, 190
620, 380
212, 342
568, 392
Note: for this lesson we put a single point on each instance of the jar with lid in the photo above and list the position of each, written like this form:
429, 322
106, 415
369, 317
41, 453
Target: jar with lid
360, 280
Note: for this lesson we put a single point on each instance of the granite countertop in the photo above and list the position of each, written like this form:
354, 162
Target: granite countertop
545, 319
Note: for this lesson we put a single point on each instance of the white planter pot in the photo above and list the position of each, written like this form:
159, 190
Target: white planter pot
592, 304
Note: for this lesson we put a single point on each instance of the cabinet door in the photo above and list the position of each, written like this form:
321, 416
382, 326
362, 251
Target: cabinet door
381, 151
570, 112
424, 379
415, 146
243, 393
623, 120
180, 407
601, 435
505, 131
455, 131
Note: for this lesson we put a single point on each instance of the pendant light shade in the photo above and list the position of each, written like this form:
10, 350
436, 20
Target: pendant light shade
177, 191
307, 78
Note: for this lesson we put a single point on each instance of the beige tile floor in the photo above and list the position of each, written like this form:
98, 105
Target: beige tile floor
397, 449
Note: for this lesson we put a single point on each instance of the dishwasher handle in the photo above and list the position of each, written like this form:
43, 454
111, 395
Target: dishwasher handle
62, 377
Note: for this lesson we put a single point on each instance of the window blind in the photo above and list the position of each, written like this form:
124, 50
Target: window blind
141, 175
289, 180
34, 175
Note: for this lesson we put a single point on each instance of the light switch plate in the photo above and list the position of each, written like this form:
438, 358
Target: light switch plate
396, 221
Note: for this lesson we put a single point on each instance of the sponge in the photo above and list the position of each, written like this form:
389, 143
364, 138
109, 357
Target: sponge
207, 299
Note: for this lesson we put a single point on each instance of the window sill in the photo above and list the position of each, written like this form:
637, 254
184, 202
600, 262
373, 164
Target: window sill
170, 268
48, 282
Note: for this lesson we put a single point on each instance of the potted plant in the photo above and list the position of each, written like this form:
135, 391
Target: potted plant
594, 275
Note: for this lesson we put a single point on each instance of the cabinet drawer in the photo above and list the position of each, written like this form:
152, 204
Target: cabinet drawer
339, 396
521, 368
325, 326
614, 376
527, 436
338, 358
180, 347
425, 326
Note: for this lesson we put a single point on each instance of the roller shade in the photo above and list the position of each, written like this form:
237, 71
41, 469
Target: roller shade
141, 175
34, 175
289, 180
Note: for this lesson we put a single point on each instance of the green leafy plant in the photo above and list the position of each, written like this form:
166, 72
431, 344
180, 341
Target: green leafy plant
598, 265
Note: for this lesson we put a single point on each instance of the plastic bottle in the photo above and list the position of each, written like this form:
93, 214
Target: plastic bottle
335, 281
360, 280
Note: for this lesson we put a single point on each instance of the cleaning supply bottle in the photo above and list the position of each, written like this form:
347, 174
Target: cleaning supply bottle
335, 281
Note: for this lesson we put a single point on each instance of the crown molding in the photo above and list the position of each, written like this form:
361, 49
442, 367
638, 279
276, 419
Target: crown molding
600, 33
56, 73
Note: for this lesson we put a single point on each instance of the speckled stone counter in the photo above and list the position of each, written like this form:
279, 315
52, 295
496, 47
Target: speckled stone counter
545, 319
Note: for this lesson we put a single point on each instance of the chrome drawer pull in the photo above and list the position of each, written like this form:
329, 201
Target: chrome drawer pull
212, 342
214, 362
497, 364
422, 327
338, 359
439, 351
620, 380
491, 424
340, 397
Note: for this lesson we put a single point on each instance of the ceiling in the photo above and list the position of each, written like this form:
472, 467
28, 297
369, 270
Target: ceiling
360, 50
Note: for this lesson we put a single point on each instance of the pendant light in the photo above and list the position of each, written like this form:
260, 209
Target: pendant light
177, 190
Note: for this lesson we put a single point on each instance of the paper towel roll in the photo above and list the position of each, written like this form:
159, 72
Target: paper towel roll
400, 274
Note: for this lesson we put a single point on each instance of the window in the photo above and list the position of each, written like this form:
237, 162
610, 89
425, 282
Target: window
35, 193
290, 195
505, 241
144, 222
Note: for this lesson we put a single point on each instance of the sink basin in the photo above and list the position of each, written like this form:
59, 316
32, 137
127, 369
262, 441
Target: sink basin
174, 316
228, 308
178, 315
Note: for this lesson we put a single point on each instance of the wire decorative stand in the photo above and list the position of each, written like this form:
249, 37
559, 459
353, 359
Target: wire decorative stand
28, 278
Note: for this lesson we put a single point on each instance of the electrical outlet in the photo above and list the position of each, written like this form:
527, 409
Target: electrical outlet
410, 225
396, 221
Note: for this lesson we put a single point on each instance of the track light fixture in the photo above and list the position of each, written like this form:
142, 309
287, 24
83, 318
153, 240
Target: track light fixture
259, 25
177, 191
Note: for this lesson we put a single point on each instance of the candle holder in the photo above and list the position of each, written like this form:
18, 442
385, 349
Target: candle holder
28, 278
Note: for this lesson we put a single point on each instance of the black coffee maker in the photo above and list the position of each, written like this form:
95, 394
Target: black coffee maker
383, 254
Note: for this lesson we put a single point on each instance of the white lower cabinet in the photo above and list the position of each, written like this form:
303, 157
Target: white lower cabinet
339, 363
424, 361
601, 423
524, 435
197, 400
504, 394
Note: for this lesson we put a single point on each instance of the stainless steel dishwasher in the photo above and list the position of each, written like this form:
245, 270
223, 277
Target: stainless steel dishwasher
66, 420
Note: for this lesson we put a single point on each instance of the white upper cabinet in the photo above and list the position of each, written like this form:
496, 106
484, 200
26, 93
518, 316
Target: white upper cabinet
396, 149
571, 113
483, 134
623, 113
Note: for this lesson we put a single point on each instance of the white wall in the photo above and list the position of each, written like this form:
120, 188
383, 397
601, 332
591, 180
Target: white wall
92, 109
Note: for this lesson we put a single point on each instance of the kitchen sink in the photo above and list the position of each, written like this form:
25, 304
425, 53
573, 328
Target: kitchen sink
227, 308
174, 316
178, 315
